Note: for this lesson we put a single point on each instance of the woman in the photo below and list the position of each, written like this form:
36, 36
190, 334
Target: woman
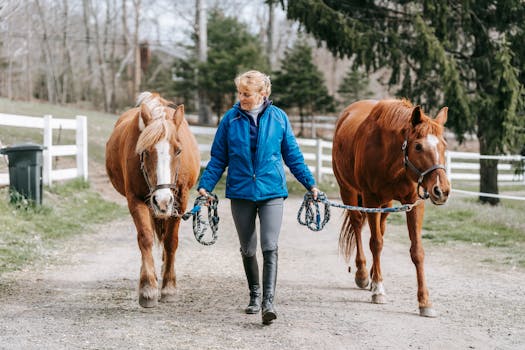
252, 140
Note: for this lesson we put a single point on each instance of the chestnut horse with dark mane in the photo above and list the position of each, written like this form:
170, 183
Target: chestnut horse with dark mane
153, 160
383, 151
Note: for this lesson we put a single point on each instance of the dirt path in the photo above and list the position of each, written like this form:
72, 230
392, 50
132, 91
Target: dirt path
88, 299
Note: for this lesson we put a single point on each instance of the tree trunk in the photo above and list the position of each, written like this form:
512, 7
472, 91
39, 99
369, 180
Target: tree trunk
126, 40
9, 80
68, 93
488, 172
51, 81
28, 59
113, 68
136, 49
86, 89
269, 36
201, 29
99, 45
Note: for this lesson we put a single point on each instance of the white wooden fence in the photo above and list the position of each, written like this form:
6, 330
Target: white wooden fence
48, 124
461, 166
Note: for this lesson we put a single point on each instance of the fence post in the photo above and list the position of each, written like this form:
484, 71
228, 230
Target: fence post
82, 147
312, 120
319, 161
47, 163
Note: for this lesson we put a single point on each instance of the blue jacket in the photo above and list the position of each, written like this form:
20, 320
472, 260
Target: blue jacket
263, 177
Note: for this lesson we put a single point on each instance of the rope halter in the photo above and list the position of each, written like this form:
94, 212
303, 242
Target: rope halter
420, 174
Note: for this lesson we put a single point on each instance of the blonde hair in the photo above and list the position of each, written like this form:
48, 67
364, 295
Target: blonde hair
254, 81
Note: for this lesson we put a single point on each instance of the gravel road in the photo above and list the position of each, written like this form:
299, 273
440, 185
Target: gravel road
87, 297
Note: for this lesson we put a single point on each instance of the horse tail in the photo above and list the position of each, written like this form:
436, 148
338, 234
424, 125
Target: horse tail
347, 238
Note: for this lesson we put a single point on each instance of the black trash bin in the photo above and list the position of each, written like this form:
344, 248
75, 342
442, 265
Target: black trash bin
25, 171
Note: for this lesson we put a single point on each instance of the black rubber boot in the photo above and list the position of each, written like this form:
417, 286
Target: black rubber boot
251, 268
269, 280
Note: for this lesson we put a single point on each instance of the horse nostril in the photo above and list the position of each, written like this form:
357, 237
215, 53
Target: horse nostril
154, 200
158, 204
437, 191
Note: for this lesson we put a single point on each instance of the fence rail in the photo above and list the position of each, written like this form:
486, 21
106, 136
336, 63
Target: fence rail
461, 166
48, 124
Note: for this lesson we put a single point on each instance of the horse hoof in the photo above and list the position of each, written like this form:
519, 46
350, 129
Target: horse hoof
147, 302
168, 298
362, 282
427, 312
378, 299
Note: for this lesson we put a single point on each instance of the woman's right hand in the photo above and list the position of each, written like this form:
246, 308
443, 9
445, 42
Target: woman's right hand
204, 193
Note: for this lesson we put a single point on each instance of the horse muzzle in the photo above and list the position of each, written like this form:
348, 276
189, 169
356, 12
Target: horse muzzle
439, 191
162, 203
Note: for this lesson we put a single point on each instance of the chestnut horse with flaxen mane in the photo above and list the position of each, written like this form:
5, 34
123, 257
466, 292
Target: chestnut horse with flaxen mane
153, 159
383, 151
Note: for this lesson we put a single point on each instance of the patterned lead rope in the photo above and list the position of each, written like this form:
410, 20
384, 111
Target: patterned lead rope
312, 213
200, 226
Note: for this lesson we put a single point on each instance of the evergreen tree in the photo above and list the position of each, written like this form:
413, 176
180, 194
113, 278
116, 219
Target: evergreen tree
231, 50
355, 86
299, 84
465, 54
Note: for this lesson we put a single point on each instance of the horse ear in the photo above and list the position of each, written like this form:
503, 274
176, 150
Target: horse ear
442, 115
178, 116
416, 116
144, 117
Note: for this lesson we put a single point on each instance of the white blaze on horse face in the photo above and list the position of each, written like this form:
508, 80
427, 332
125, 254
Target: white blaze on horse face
433, 142
163, 170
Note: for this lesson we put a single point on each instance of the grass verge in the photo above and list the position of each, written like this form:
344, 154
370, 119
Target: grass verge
464, 220
30, 234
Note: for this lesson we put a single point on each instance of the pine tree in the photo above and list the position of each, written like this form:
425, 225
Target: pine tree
231, 50
299, 84
465, 54
355, 86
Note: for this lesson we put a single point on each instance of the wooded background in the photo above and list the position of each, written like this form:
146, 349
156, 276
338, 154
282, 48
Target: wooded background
320, 54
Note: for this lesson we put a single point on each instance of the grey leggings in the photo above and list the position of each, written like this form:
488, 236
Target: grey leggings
270, 213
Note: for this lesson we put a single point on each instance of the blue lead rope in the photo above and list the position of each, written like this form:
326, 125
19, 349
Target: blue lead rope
312, 211
200, 226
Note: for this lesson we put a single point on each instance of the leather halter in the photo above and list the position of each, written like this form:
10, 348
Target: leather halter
152, 189
421, 175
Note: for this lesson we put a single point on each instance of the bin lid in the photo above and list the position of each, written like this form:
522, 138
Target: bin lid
22, 147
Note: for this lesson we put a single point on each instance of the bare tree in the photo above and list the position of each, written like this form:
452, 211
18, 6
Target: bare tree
51, 80
86, 13
28, 57
201, 28
66, 76
136, 48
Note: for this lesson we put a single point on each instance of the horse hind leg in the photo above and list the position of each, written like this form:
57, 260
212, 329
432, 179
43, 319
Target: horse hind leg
350, 239
361, 275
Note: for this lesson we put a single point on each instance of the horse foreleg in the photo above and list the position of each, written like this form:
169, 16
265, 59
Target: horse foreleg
148, 288
171, 242
376, 246
417, 254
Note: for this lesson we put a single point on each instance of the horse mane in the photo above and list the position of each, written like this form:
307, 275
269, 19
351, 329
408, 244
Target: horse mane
395, 115
159, 128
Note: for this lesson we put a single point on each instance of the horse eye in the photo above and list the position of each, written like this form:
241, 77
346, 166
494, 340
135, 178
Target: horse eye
419, 147
177, 152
